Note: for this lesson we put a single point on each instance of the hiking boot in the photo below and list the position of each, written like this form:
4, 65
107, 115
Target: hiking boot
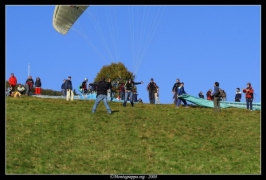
132, 104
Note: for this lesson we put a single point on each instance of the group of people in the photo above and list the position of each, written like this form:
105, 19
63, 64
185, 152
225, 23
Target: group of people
215, 96
16, 89
209, 96
121, 92
103, 87
67, 89
179, 89
127, 90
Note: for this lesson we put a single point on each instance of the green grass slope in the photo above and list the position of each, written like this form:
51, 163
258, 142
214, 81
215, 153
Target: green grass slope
55, 136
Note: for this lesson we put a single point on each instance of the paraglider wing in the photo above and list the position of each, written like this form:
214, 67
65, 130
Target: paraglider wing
65, 16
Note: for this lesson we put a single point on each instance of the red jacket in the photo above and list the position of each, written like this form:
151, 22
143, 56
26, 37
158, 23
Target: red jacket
209, 95
249, 92
12, 81
84, 85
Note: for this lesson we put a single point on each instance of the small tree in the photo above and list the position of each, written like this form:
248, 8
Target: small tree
117, 72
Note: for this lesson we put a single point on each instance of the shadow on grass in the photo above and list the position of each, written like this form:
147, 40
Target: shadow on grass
115, 111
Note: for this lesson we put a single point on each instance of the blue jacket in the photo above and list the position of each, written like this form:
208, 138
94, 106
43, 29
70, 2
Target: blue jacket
238, 95
68, 84
215, 91
63, 86
181, 90
38, 83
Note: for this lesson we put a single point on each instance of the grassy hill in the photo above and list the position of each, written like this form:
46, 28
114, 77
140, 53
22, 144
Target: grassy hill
55, 136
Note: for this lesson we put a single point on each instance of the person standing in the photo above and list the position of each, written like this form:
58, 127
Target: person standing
151, 87
249, 95
84, 86
216, 98
69, 89
209, 95
156, 95
29, 85
38, 85
129, 88
102, 87
180, 91
201, 95
12, 83
238, 95
174, 90
63, 88
110, 91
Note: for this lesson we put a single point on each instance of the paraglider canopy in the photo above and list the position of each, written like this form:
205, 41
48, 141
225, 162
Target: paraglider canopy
141, 23
65, 16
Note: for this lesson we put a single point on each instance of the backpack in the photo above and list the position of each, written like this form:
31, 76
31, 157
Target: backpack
152, 86
221, 94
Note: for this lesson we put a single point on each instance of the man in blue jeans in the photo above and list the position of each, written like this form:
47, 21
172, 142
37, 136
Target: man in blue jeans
102, 87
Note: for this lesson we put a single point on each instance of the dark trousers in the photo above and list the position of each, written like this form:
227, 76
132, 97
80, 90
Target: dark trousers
179, 102
151, 97
216, 103
28, 89
175, 97
128, 94
249, 103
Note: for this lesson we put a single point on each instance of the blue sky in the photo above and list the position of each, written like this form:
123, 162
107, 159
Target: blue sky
197, 44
